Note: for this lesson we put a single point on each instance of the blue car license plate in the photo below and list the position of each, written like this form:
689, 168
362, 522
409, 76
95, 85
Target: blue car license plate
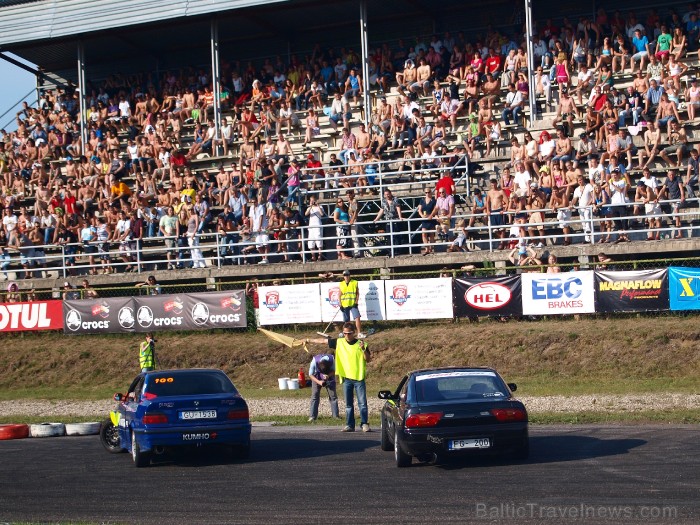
460, 444
199, 414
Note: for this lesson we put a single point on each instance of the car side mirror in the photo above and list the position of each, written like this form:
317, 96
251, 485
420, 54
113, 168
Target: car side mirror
118, 397
385, 394
513, 387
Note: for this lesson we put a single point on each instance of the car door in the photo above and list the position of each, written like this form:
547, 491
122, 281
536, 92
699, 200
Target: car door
128, 407
395, 407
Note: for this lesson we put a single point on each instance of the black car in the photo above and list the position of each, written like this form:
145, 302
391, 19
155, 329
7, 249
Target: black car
444, 412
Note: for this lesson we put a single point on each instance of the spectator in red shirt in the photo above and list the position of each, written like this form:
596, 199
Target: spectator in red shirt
446, 183
493, 63
69, 202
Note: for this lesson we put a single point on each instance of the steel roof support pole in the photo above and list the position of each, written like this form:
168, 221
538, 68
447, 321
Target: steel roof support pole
365, 63
216, 80
81, 95
530, 59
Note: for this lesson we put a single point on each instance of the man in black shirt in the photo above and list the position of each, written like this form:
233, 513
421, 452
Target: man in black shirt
673, 190
292, 222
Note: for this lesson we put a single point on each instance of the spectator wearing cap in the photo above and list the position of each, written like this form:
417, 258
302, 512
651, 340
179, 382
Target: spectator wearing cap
70, 293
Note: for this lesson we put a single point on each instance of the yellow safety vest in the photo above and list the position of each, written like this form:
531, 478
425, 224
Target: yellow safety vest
350, 360
348, 294
146, 355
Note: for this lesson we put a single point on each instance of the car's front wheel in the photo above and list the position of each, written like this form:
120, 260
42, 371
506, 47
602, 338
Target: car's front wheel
402, 459
109, 436
386, 442
141, 459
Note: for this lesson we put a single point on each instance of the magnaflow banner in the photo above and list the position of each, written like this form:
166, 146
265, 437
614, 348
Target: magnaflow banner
490, 296
155, 313
558, 293
370, 303
684, 288
37, 315
635, 291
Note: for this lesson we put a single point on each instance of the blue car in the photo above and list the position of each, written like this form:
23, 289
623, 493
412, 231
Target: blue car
175, 408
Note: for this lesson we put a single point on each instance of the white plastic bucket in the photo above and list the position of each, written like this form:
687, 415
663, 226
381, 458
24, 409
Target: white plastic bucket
283, 383
293, 384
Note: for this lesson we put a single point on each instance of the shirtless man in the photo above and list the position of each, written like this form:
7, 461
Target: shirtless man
652, 140
247, 150
406, 78
677, 141
566, 110
223, 182
363, 138
423, 74
492, 90
495, 202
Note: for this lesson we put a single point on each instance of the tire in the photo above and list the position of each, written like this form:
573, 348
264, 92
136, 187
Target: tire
141, 459
83, 429
402, 459
386, 442
41, 430
109, 436
14, 431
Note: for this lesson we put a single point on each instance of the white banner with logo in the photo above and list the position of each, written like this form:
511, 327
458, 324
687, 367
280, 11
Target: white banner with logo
418, 299
558, 293
289, 304
370, 304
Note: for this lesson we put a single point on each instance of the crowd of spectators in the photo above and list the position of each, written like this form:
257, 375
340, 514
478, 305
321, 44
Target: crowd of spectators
437, 100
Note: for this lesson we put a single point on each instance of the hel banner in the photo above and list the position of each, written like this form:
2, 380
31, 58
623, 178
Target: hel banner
684, 288
634, 291
37, 315
289, 304
155, 313
558, 293
488, 296
370, 303
418, 298
99, 316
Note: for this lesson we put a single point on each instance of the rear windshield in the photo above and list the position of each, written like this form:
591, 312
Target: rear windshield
459, 385
190, 383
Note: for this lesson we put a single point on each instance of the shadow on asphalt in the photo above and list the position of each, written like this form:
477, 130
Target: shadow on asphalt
553, 449
266, 450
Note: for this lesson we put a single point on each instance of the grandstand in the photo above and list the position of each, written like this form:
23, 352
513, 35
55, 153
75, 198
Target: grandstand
111, 144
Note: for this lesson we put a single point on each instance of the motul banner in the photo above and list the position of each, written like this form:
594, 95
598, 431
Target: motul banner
684, 288
370, 303
489, 296
155, 313
37, 315
635, 291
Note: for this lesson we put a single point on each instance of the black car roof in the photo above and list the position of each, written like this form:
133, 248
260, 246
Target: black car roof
449, 368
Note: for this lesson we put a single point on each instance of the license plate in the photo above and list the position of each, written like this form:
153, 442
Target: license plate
199, 414
459, 444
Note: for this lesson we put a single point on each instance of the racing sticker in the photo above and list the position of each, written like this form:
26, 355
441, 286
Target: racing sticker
635, 291
558, 293
488, 296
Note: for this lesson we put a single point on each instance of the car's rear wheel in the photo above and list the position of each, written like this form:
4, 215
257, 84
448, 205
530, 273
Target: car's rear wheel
109, 436
402, 459
386, 442
141, 459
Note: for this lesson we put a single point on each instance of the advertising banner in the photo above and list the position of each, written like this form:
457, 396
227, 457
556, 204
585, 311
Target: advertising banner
418, 299
558, 293
488, 296
37, 315
684, 288
370, 304
155, 313
99, 316
204, 311
634, 291
290, 304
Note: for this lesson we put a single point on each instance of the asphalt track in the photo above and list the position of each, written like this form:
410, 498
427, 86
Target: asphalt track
576, 474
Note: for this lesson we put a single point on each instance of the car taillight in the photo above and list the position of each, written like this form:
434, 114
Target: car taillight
505, 415
429, 419
238, 414
152, 419
149, 396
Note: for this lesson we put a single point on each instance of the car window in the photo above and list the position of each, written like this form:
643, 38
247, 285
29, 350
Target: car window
191, 383
457, 385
